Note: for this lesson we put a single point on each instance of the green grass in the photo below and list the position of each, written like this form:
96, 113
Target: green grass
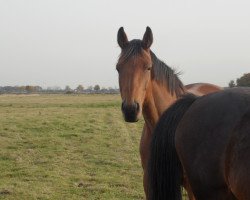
68, 147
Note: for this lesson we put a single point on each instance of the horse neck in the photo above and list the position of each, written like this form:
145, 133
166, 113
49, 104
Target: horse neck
157, 100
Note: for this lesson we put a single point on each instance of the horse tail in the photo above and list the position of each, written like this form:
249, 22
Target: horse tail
164, 167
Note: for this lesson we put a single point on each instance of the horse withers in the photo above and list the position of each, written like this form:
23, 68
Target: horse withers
208, 139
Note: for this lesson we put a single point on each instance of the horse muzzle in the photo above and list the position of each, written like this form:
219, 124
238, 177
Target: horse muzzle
130, 111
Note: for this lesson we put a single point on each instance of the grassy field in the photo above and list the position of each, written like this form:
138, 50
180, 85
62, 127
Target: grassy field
68, 147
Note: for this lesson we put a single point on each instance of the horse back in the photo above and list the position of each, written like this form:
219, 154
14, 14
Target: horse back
200, 89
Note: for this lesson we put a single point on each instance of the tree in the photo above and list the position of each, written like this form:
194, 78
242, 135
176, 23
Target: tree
97, 88
244, 81
21, 88
90, 88
38, 88
67, 88
29, 88
79, 88
231, 84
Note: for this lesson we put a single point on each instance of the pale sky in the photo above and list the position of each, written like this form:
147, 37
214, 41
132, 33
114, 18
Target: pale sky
71, 42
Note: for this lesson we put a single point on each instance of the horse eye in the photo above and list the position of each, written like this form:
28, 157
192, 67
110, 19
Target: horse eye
148, 67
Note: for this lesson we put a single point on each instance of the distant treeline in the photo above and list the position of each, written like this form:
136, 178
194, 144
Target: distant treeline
29, 89
243, 81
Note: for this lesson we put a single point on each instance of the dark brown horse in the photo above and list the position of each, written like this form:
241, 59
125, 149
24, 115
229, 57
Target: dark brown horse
208, 139
148, 86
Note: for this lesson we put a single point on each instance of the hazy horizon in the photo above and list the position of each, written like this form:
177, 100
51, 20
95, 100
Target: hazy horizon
59, 43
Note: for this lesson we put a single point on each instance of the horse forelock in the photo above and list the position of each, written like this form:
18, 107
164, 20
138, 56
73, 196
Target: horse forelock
133, 49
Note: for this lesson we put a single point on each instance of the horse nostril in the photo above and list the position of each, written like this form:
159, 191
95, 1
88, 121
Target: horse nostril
123, 105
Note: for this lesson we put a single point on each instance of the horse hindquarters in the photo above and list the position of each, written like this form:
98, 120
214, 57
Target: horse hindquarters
238, 161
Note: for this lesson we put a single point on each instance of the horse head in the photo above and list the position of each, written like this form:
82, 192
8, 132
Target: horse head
134, 69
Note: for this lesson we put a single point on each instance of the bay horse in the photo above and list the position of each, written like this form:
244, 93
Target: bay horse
148, 86
208, 139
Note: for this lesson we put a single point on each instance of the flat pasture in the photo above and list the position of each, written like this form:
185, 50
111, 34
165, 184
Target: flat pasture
68, 147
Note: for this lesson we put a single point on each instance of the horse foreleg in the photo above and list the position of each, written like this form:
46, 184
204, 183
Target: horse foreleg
144, 153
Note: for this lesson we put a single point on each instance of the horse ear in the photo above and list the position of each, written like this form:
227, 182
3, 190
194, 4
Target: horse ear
147, 38
122, 38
